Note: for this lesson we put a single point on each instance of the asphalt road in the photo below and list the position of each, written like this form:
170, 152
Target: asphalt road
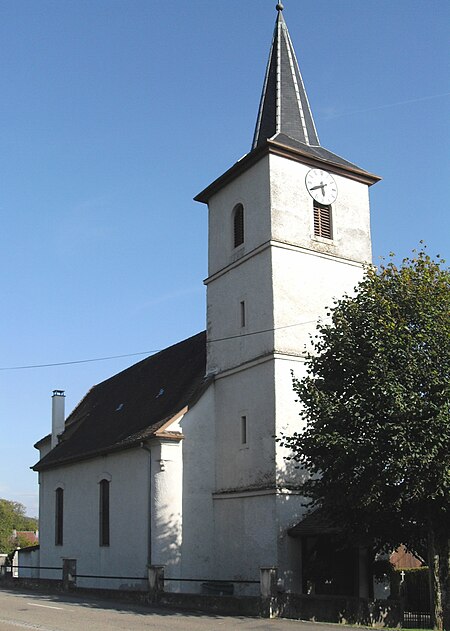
30, 610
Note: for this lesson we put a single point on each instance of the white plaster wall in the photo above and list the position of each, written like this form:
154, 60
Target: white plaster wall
309, 272
251, 189
294, 280
166, 506
248, 279
197, 548
292, 212
290, 502
278, 206
286, 287
304, 285
247, 393
29, 559
287, 415
251, 532
183, 479
129, 492
289, 511
179, 502
251, 525
246, 537
251, 282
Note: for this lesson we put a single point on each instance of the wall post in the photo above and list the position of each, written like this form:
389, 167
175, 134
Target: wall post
155, 582
268, 577
69, 573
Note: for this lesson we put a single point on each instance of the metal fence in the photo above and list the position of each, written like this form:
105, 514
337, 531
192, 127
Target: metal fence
417, 620
12, 569
14, 572
120, 578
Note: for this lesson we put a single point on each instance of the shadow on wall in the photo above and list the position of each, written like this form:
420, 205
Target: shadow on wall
292, 508
167, 539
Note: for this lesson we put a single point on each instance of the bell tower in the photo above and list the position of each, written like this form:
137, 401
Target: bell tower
289, 231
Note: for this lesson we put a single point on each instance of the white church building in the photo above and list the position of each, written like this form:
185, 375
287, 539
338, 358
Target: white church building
173, 462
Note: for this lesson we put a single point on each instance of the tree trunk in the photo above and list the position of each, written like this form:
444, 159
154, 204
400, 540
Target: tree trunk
439, 564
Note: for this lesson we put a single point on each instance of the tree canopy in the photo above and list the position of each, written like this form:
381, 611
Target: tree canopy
13, 517
376, 403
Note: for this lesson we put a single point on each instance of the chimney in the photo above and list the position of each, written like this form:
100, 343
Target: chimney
57, 415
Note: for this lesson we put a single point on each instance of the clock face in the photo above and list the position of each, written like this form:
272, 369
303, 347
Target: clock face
321, 186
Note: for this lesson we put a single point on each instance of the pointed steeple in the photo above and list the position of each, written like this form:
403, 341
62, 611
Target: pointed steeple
284, 107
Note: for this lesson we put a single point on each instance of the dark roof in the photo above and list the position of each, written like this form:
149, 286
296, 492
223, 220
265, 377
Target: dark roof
284, 106
132, 405
28, 548
283, 145
315, 151
314, 524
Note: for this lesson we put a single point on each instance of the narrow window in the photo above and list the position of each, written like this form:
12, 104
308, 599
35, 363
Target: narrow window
238, 220
322, 221
242, 310
104, 513
243, 430
59, 516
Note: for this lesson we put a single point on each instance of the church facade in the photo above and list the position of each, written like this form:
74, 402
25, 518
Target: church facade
174, 461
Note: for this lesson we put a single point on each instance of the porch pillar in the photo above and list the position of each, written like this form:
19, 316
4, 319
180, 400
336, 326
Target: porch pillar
363, 573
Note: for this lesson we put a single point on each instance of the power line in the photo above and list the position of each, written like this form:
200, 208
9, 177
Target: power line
152, 352
277, 328
77, 361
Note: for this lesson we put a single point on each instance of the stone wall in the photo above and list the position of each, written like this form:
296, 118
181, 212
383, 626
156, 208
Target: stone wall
343, 610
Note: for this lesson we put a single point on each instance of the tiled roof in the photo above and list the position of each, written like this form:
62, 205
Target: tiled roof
132, 405
28, 535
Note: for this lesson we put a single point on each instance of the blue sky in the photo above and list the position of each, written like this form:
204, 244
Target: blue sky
115, 113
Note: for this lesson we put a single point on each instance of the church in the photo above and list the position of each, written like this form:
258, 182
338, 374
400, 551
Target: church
174, 461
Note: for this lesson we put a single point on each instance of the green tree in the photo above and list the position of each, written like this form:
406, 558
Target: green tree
13, 517
376, 409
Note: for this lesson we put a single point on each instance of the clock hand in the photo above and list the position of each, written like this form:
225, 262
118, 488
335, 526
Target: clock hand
321, 185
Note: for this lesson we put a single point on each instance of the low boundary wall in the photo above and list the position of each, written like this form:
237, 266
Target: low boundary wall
335, 609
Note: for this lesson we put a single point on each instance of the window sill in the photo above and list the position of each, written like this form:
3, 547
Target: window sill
323, 240
237, 253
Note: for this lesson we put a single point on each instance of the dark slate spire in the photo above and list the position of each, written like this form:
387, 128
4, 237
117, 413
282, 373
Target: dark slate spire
284, 107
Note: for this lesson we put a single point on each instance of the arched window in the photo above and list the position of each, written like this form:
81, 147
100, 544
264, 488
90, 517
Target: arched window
323, 224
104, 513
238, 224
59, 516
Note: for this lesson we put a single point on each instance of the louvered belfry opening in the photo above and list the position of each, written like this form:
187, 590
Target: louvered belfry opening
323, 226
238, 225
